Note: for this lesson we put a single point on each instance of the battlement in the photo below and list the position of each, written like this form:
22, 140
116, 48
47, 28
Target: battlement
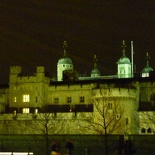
40, 69
16, 76
26, 79
15, 70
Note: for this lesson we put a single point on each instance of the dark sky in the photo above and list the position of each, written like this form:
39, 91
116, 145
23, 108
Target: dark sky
32, 33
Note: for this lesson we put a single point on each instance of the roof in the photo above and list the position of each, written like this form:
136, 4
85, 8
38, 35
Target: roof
95, 71
65, 60
147, 69
124, 60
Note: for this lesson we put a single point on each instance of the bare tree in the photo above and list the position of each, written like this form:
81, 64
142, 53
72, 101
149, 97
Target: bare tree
47, 123
107, 116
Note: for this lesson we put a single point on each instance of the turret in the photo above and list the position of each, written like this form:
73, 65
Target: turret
40, 73
95, 72
146, 71
64, 64
124, 64
14, 72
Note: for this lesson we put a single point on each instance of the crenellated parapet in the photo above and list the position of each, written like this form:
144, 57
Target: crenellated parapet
17, 77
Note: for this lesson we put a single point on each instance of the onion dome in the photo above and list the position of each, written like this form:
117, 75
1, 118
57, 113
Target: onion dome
147, 68
124, 59
65, 59
95, 72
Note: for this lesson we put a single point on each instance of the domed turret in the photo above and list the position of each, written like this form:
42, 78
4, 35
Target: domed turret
95, 72
124, 59
63, 64
65, 60
124, 64
147, 69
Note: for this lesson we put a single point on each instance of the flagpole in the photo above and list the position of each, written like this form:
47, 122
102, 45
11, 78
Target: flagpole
132, 52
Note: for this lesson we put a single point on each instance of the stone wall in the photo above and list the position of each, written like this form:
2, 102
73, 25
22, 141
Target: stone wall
143, 144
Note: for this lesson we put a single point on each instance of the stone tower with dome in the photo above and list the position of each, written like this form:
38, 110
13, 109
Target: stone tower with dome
147, 69
95, 72
124, 64
64, 64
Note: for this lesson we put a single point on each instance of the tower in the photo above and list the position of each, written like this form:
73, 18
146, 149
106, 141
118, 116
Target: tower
147, 69
95, 72
124, 64
64, 64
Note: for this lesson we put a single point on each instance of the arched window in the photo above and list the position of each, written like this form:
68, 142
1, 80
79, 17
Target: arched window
149, 130
143, 130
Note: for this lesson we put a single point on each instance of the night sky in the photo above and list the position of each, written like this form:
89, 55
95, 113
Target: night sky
32, 33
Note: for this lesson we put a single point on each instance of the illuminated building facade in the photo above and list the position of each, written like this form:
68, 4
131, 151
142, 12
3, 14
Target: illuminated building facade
25, 96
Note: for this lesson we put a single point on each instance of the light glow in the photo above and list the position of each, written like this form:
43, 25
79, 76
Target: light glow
26, 98
16, 153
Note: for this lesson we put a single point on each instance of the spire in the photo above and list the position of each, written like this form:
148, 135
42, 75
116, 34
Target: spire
95, 72
147, 69
147, 59
95, 61
123, 47
65, 47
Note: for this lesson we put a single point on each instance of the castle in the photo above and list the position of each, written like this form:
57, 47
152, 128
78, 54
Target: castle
73, 98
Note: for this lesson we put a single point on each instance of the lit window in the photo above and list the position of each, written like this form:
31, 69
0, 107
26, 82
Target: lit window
56, 100
82, 99
26, 98
15, 99
69, 99
26, 110
36, 111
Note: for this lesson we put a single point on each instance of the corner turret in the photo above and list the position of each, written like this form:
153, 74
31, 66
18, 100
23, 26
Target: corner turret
14, 72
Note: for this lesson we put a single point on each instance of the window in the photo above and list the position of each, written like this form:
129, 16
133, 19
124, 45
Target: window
15, 99
143, 130
149, 130
109, 106
26, 110
152, 97
118, 116
36, 99
82, 99
26, 98
56, 100
126, 121
69, 99
36, 111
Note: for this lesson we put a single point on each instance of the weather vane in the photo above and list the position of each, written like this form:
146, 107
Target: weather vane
147, 58
65, 47
123, 44
95, 61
